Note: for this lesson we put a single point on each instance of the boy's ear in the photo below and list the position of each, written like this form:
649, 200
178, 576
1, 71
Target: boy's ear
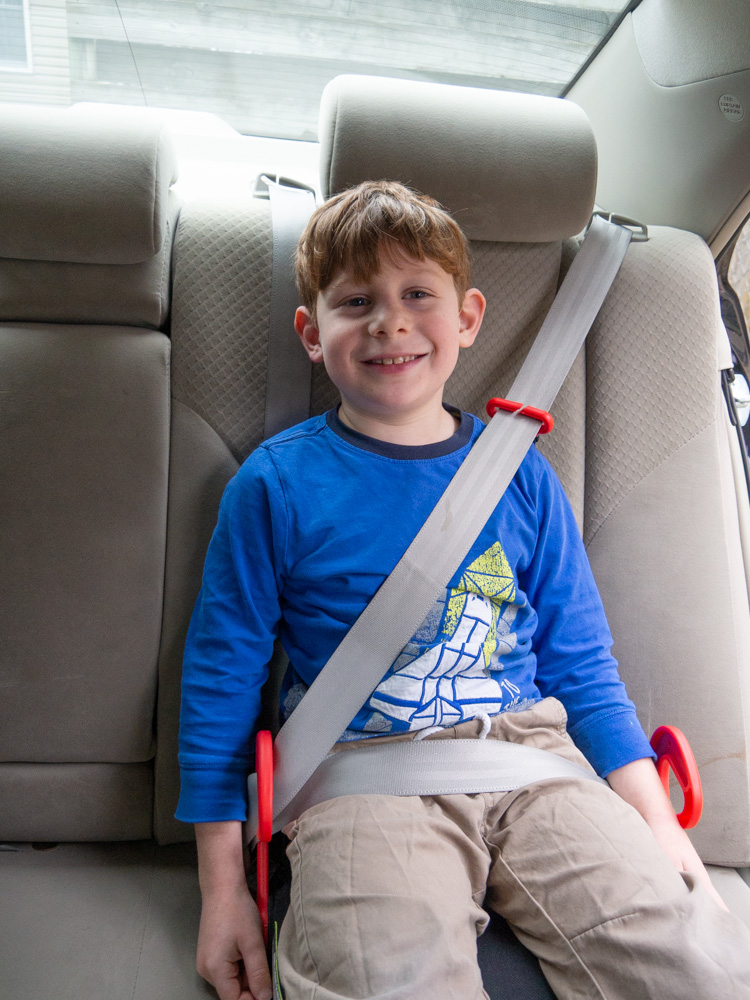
470, 316
308, 334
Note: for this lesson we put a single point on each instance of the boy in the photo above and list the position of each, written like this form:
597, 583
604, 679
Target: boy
387, 891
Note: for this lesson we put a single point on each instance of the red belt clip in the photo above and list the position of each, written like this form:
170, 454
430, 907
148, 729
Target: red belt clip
264, 771
545, 419
673, 751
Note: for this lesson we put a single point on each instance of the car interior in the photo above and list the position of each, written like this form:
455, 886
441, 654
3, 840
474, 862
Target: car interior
138, 371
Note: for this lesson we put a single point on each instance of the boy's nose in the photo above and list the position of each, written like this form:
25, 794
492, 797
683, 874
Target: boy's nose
388, 320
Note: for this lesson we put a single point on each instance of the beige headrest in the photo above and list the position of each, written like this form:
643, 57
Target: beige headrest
82, 188
509, 167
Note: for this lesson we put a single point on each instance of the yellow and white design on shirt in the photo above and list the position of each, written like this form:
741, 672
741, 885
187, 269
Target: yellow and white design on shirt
450, 670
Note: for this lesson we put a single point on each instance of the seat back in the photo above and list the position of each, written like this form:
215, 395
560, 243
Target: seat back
642, 442
86, 226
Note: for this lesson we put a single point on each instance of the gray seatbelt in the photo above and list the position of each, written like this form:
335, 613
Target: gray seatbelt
428, 767
289, 372
402, 602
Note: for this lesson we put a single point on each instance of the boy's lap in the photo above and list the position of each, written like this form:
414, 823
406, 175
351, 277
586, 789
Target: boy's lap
412, 842
573, 845
413, 871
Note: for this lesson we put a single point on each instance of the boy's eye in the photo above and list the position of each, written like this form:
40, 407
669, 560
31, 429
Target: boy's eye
418, 293
356, 300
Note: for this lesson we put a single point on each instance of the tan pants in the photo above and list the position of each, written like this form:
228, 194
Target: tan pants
387, 892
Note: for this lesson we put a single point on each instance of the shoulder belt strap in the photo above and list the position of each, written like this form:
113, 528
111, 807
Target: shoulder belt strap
288, 373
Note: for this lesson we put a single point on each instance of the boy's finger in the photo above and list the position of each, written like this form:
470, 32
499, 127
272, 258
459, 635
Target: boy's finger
262, 991
247, 993
258, 977
226, 985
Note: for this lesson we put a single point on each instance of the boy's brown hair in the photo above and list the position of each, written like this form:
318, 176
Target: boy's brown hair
353, 228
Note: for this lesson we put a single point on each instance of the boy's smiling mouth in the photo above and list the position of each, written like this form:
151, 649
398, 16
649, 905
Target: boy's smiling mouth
400, 359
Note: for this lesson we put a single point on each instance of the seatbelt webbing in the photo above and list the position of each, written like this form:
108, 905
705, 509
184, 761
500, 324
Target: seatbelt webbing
402, 602
289, 372
429, 767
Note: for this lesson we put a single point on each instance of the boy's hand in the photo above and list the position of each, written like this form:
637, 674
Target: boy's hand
231, 952
676, 845
639, 784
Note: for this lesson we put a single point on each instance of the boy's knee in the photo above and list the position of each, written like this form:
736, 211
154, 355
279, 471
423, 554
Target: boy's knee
578, 839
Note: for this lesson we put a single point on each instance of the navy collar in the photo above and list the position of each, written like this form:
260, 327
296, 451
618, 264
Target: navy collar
460, 438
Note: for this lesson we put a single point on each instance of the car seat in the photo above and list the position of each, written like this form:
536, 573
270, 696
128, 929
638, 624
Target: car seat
113, 487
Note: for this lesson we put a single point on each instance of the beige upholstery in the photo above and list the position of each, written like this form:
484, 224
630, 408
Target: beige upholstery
84, 463
86, 233
222, 306
110, 495
100, 922
102, 198
64, 292
517, 168
662, 519
60, 802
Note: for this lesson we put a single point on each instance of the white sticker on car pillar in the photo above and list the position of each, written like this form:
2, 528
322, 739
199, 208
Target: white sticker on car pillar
731, 108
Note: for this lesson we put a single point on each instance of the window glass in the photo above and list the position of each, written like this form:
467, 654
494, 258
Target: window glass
14, 53
262, 65
739, 272
734, 288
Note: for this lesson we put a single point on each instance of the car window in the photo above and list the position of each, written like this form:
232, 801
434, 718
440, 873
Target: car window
739, 271
735, 306
261, 66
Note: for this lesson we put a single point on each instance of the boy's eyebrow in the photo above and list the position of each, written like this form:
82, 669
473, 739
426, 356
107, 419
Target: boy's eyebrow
345, 278
419, 269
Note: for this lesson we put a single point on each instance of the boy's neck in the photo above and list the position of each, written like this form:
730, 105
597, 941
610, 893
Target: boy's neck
416, 429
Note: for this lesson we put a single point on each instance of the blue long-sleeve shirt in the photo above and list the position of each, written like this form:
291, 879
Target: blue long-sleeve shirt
311, 526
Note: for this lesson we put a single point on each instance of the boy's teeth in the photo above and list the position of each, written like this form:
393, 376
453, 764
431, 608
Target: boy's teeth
393, 361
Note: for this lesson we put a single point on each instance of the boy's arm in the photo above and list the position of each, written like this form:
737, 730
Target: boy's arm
229, 643
639, 784
231, 953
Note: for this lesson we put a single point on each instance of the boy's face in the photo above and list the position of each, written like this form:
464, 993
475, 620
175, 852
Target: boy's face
389, 344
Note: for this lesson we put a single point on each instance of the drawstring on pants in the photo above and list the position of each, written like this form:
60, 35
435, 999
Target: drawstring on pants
480, 716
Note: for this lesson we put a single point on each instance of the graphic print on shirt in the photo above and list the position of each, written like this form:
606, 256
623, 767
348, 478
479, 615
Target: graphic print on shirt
450, 669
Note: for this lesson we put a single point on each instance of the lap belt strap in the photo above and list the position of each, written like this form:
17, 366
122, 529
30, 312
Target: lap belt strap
429, 767
399, 607
289, 371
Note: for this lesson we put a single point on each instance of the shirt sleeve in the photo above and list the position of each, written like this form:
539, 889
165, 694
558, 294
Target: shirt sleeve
229, 644
573, 642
